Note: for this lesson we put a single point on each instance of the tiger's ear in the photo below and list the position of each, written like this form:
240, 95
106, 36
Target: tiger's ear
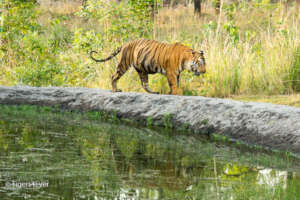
201, 52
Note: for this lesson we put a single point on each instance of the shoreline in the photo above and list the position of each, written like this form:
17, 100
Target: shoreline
265, 124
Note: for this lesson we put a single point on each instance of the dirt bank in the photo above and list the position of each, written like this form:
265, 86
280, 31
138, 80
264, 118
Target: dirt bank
265, 124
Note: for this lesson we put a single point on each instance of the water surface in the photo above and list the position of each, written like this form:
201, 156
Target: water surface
49, 154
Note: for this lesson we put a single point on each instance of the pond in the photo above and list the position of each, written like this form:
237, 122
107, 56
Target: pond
46, 153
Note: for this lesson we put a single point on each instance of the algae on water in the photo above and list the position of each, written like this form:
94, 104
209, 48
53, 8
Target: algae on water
50, 154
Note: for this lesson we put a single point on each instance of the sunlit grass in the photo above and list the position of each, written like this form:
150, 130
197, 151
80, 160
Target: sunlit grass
291, 100
250, 49
259, 63
60, 7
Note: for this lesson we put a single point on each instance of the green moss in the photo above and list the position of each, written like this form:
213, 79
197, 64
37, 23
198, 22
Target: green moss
204, 122
167, 121
149, 121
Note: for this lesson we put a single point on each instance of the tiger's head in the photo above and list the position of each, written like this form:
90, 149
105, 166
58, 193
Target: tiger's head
196, 63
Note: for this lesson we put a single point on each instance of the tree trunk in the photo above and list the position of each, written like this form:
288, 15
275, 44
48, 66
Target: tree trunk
83, 3
153, 5
217, 6
197, 7
166, 3
297, 5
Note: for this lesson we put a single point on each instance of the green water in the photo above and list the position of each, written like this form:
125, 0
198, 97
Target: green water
49, 154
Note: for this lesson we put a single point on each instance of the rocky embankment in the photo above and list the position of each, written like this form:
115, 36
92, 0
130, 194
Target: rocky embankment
264, 124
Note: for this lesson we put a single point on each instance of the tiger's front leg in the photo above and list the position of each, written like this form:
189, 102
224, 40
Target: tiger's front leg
172, 80
178, 77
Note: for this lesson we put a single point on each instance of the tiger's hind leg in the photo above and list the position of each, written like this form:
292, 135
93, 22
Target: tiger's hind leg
120, 71
144, 81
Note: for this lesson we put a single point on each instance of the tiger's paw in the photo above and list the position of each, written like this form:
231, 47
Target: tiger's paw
117, 90
153, 92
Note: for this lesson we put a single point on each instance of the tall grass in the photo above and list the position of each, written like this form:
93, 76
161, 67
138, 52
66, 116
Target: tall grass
255, 56
250, 48
295, 71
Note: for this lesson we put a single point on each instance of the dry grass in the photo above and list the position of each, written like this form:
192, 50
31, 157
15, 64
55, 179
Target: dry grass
290, 100
256, 65
60, 7
259, 62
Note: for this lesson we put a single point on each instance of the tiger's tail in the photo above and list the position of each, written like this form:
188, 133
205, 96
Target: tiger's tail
116, 52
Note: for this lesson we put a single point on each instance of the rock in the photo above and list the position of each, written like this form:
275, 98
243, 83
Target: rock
269, 125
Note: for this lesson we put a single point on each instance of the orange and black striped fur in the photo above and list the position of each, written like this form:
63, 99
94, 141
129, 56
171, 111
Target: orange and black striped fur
149, 57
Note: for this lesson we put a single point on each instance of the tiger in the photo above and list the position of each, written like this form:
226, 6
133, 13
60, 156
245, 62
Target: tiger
150, 57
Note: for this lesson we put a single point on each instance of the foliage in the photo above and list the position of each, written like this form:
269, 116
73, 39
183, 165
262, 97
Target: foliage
232, 30
39, 66
167, 121
26, 49
250, 48
295, 70
121, 22
149, 121
17, 19
230, 26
